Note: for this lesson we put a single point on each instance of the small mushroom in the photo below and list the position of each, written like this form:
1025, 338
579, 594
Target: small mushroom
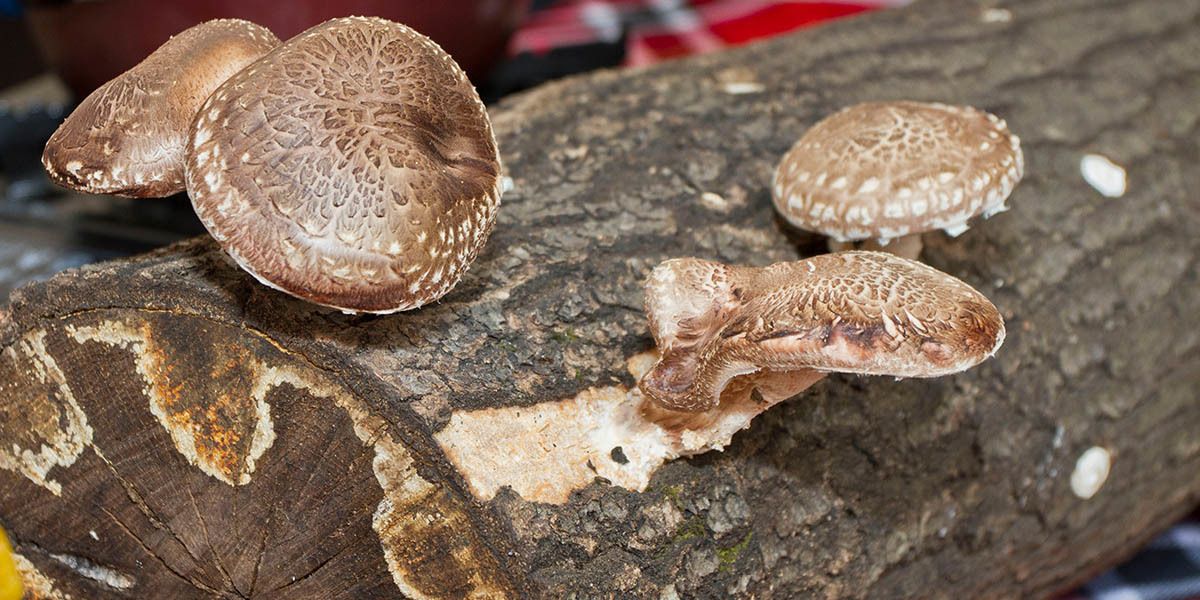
129, 136
893, 170
354, 167
870, 313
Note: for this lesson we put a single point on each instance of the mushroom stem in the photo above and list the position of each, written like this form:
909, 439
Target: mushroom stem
743, 399
907, 246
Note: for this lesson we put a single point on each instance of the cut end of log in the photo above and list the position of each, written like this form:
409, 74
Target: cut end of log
177, 442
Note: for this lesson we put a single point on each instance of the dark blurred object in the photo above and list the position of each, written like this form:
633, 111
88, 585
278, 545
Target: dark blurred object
90, 42
1166, 569
23, 132
44, 228
527, 69
650, 31
21, 60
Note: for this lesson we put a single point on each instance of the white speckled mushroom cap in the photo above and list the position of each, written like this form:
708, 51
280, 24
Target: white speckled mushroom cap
129, 137
889, 169
354, 167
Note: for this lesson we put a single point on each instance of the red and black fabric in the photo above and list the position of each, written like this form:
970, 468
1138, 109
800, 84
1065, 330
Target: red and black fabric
572, 36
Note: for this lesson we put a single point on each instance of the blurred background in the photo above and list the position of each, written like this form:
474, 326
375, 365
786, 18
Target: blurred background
54, 52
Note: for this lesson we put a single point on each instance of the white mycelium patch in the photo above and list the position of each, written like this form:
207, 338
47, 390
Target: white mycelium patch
1104, 175
996, 15
90, 570
37, 584
546, 451
572, 442
737, 88
713, 201
73, 436
1091, 471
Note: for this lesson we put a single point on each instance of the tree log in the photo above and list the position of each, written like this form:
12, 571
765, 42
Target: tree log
170, 428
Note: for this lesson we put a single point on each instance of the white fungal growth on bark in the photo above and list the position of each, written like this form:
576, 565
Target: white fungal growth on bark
1104, 175
90, 570
996, 15
1091, 471
546, 451
56, 417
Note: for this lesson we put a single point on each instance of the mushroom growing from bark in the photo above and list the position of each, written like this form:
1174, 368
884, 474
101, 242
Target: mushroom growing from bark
732, 342
354, 166
890, 171
129, 136
869, 313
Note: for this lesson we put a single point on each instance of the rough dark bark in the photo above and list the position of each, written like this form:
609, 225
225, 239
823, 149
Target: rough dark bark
862, 487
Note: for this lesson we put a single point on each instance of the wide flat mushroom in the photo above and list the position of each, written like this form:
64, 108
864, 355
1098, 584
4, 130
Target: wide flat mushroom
869, 313
129, 136
893, 170
354, 167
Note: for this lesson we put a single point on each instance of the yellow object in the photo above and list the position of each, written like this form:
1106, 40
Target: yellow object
10, 581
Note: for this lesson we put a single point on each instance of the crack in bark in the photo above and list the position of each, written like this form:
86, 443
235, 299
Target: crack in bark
311, 572
136, 498
212, 549
262, 549
196, 583
59, 556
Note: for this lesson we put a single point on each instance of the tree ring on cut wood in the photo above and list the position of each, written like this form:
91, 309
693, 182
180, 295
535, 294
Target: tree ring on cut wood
237, 470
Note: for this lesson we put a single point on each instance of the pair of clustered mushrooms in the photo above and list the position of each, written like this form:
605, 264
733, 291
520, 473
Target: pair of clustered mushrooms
354, 166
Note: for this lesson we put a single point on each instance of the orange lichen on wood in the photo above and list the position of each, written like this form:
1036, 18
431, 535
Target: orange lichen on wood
213, 422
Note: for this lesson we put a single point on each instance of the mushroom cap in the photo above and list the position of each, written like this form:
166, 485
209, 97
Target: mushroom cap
129, 136
870, 313
354, 167
888, 169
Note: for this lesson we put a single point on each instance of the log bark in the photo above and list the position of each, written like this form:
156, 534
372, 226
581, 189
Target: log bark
170, 428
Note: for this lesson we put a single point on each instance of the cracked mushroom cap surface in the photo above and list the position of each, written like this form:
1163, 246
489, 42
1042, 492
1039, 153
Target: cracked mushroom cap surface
129, 136
889, 169
354, 167
869, 313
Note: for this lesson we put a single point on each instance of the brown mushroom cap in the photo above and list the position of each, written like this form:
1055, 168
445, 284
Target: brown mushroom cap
129, 136
852, 312
354, 166
889, 169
